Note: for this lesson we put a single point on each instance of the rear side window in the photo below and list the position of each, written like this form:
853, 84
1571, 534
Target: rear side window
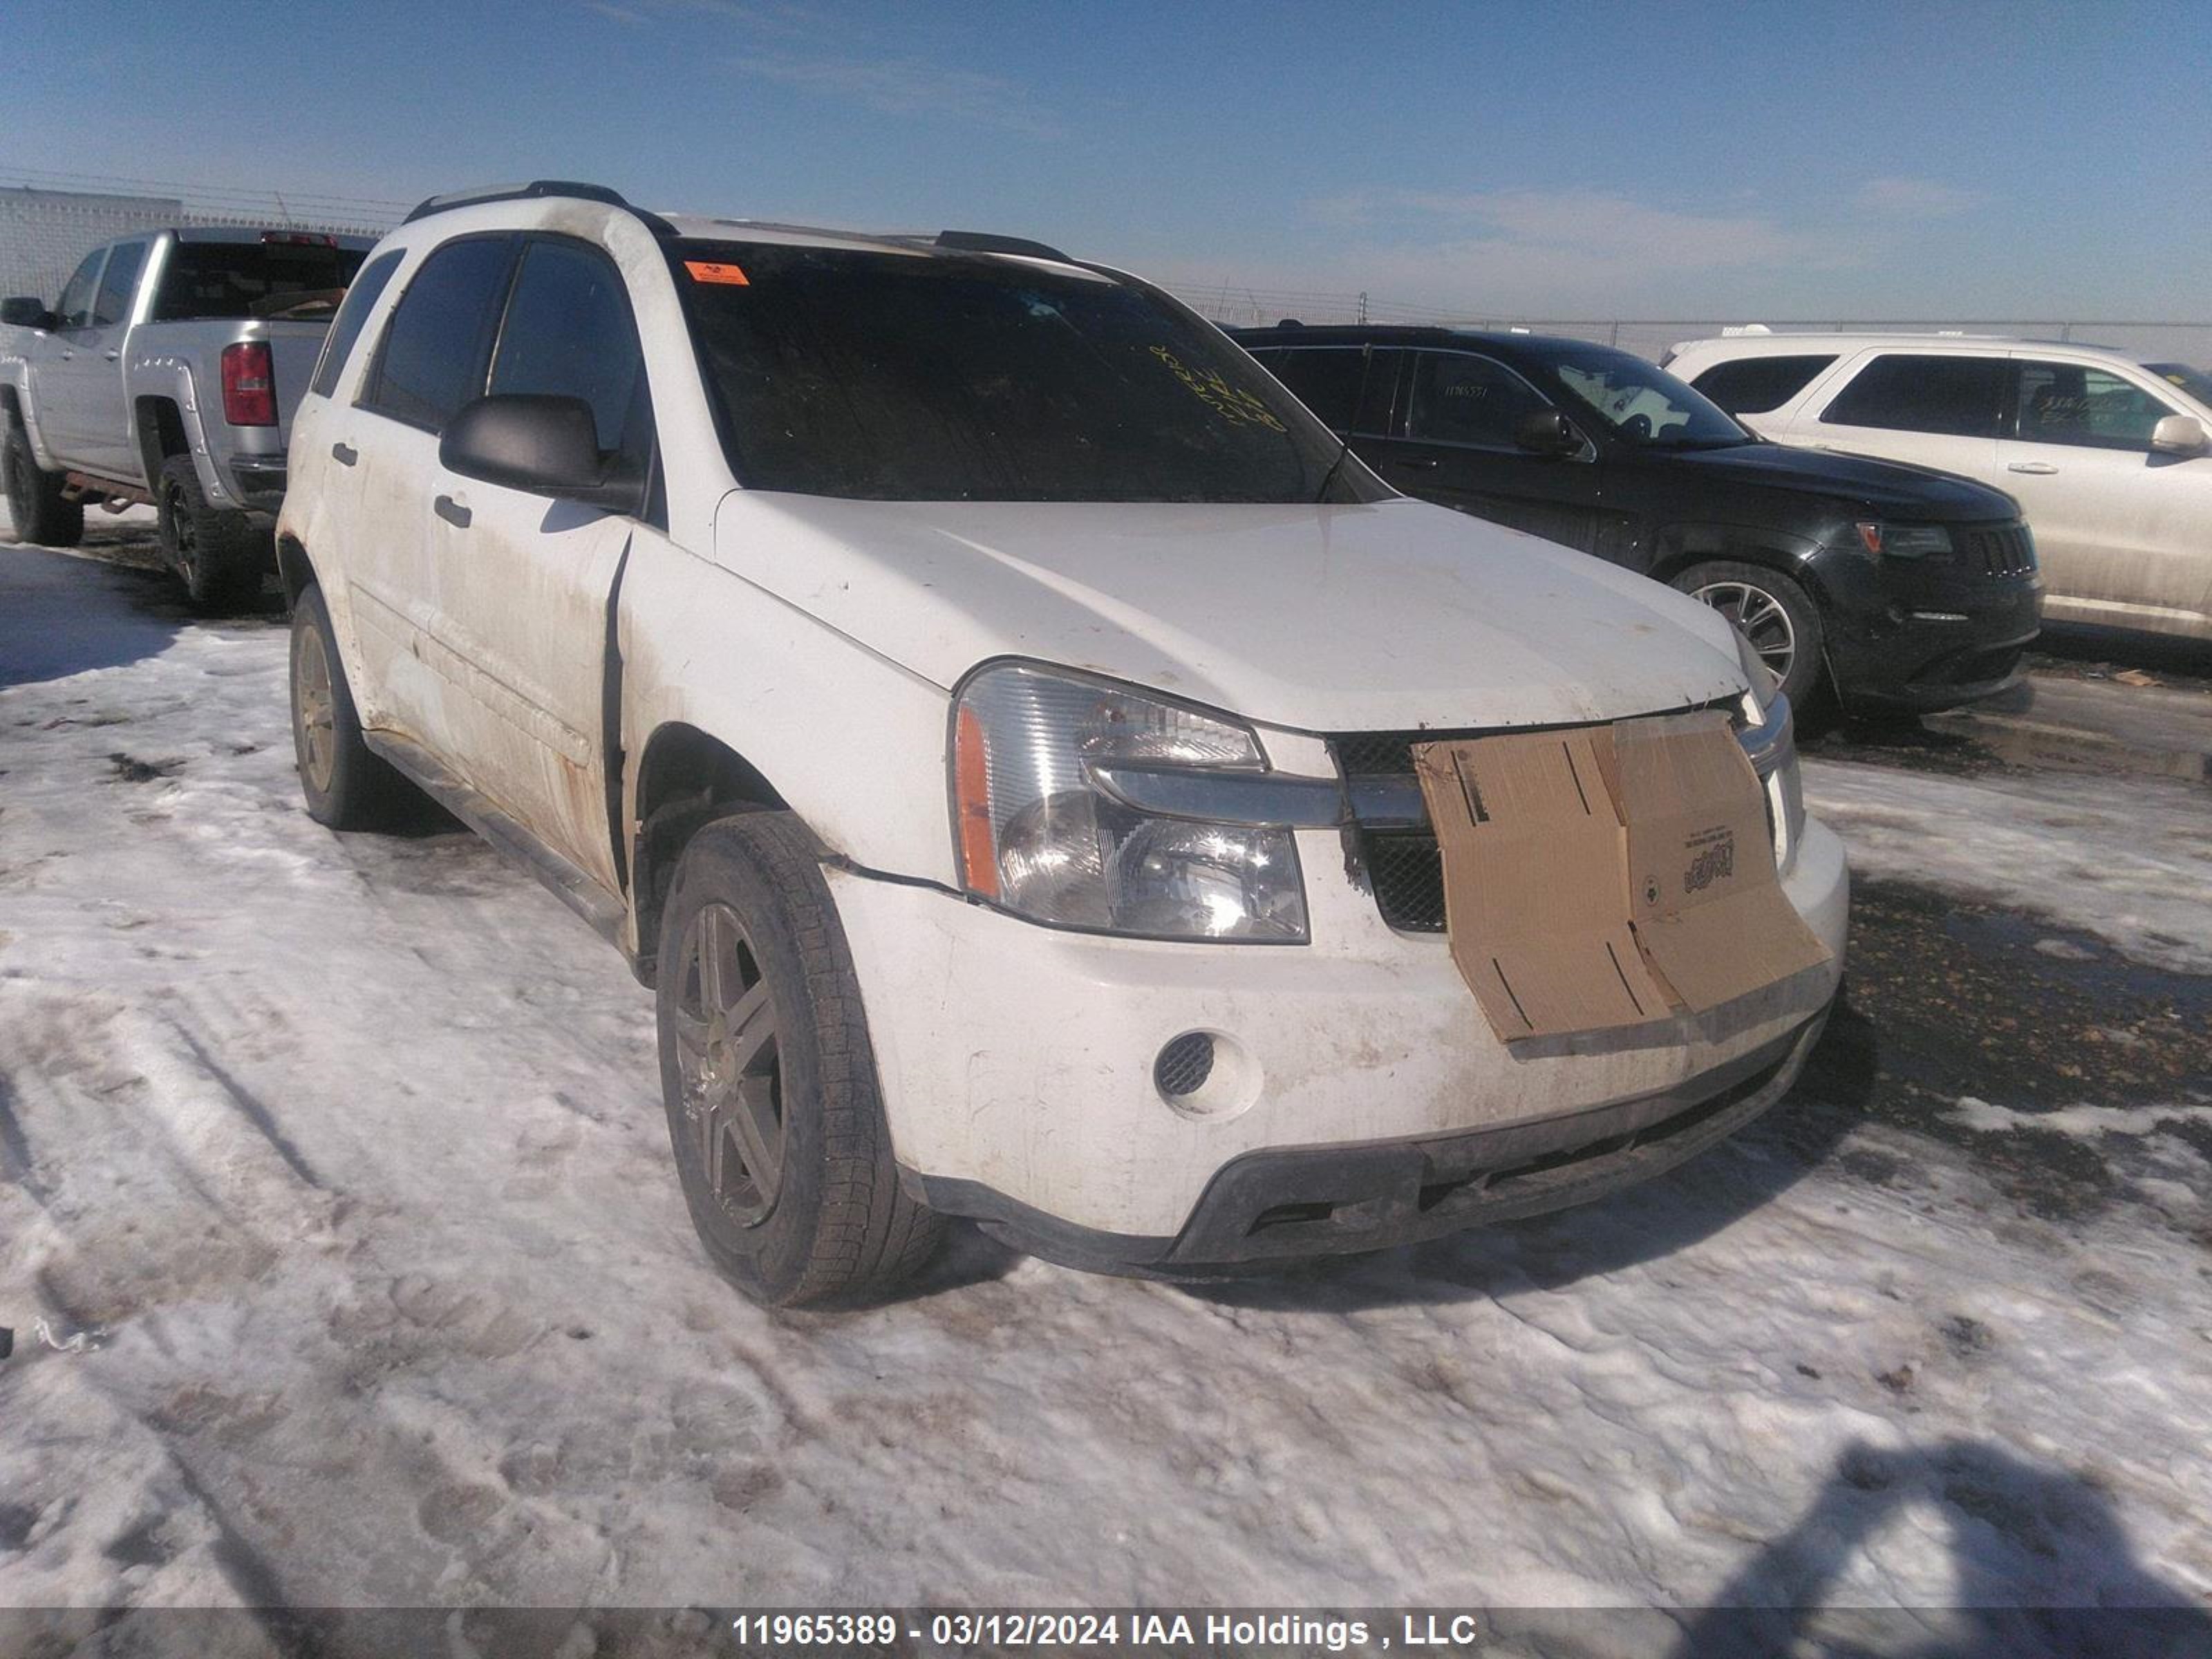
119, 282
2088, 408
1960, 396
74, 308
569, 333
1348, 387
1459, 399
1752, 385
360, 298
209, 281
439, 336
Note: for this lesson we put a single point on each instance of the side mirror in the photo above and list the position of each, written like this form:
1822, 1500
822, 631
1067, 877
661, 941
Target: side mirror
1547, 432
546, 445
2179, 435
24, 312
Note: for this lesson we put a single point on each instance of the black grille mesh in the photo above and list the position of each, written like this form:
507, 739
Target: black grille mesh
2001, 551
1407, 868
1184, 1065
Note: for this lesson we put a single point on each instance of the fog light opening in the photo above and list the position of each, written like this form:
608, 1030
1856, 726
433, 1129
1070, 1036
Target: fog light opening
1184, 1065
1205, 1074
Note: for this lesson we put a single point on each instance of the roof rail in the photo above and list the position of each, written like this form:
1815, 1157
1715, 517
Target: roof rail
535, 188
983, 241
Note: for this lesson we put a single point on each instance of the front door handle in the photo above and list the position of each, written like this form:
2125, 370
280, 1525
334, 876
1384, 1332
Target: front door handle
112, 357
345, 454
451, 512
2040, 468
1426, 463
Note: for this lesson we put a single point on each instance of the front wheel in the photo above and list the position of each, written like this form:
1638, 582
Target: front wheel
35, 503
768, 1079
1774, 613
217, 551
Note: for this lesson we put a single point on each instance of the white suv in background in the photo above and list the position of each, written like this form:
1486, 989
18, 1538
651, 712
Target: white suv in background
2109, 456
978, 700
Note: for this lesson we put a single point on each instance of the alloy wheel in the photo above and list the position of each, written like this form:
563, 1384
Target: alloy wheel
1759, 617
317, 710
725, 1053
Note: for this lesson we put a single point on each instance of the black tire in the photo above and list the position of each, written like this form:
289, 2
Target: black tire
1782, 616
832, 1224
220, 553
34, 498
347, 784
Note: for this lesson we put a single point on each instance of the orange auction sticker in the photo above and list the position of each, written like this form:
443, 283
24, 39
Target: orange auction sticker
705, 270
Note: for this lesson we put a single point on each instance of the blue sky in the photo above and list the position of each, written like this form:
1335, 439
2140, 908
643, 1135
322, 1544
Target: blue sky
1775, 160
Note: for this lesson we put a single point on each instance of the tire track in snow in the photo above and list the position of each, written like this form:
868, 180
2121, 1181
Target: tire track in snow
251, 1108
16, 1161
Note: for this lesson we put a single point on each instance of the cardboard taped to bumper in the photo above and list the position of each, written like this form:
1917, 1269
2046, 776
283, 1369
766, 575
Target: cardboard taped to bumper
1604, 876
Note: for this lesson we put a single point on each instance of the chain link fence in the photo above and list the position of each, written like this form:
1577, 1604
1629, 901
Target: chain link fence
49, 220
48, 225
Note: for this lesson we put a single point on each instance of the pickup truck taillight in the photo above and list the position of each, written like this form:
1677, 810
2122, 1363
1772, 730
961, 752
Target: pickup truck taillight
249, 387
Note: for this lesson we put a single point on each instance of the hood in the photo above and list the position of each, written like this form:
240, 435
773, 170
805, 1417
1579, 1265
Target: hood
1893, 488
1385, 616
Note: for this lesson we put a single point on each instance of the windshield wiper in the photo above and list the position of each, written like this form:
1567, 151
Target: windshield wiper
1329, 478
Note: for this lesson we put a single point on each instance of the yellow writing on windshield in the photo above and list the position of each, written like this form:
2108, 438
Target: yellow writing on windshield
1232, 404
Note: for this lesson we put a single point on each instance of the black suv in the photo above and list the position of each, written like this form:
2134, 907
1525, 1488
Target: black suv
1898, 587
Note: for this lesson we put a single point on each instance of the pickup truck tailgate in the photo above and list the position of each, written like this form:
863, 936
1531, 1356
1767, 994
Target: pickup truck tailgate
293, 348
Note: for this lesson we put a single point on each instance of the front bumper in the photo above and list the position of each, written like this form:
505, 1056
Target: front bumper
1922, 639
1269, 1207
1017, 1062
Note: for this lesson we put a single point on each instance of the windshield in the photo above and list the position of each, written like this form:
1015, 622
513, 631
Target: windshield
254, 279
2195, 381
1641, 404
887, 376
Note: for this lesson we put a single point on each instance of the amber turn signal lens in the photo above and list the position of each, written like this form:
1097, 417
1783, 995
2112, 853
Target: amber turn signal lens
971, 791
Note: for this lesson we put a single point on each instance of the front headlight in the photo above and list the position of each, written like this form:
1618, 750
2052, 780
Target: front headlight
1036, 835
1905, 541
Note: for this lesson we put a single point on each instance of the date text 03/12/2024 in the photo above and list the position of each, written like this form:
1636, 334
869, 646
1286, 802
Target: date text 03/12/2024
1077, 1631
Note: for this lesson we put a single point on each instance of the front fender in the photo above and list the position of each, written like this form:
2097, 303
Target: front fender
15, 379
852, 743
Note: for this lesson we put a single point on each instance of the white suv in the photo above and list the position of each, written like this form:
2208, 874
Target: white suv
2109, 456
977, 698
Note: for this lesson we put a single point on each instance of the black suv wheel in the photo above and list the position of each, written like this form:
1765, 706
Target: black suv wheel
34, 498
1774, 613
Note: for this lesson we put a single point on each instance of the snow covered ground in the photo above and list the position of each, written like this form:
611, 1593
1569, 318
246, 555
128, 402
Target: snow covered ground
2130, 860
337, 1178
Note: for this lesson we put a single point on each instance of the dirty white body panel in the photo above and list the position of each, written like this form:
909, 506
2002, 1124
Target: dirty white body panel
2124, 536
1366, 1034
821, 640
1368, 618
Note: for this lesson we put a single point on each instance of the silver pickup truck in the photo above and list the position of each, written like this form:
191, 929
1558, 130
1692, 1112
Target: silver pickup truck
166, 373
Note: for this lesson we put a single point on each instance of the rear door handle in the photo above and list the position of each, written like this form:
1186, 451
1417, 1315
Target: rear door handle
2040, 468
1424, 464
112, 357
345, 454
451, 512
